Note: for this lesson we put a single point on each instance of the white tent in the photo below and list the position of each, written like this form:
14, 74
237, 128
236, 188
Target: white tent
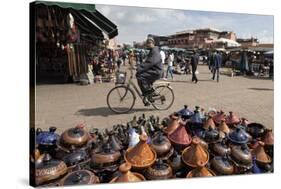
228, 42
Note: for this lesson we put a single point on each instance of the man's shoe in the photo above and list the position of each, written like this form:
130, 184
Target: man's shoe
145, 101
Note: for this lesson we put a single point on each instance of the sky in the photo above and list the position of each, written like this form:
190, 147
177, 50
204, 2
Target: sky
135, 23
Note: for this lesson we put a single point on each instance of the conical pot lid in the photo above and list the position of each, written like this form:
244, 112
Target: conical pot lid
209, 123
218, 117
238, 135
180, 136
76, 136
172, 124
268, 138
223, 127
158, 171
222, 165
194, 154
140, 156
79, 177
232, 119
200, 171
185, 112
127, 175
260, 154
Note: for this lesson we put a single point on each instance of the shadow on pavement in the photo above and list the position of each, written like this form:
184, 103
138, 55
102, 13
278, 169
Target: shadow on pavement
105, 111
261, 89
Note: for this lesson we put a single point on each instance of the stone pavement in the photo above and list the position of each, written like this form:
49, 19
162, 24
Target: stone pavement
66, 105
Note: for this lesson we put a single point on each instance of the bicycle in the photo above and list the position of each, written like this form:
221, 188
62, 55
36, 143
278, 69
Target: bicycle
121, 98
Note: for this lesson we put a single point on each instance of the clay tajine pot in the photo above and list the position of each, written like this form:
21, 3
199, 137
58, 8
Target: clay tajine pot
194, 154
80, 177
162, 146
223, 127
141, 156
261, 157
218, 117
159, 171
48, 169
180, 138
200, 171
268, 138
222, 166
232, 119
74, 138
241, 155
127, 175
172, 124
209, 123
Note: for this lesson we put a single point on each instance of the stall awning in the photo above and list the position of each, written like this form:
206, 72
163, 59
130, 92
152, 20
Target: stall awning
102, 22
76, 6
96, 21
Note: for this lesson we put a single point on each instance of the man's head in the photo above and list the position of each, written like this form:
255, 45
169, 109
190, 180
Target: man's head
150, 43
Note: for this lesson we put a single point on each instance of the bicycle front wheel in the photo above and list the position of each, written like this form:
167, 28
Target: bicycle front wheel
164, 98
121, 99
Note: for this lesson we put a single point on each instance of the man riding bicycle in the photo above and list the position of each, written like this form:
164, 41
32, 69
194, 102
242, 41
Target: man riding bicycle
149, 71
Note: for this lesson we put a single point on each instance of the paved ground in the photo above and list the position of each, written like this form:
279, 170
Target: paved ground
66, 105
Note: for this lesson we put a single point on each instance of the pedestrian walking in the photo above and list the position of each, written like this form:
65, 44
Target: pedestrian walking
170, 67
194, 64
217, 65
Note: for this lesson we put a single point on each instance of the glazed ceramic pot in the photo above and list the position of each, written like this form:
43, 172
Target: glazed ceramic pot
47, 140
141, 156
133, 137
256, 169
126, 175
238, 136
256, 129
162, 146
222, 166
106, 159
74, 138
77, 158
219, 117
212, 135
244, 122
185, 113
200, 171
180, 138
220, 148
159, 171
48, 169
202, 142
209, 123
241, 156
268, 140
223, 127
176, 162
262, 158
195, 153
173, 124
198, 131
80, 177
114, 142
232, 119
195, 120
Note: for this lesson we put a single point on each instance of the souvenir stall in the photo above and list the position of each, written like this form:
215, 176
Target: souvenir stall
67, 35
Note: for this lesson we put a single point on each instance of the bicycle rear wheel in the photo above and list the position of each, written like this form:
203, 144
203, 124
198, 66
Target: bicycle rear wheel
121, 99
164, 97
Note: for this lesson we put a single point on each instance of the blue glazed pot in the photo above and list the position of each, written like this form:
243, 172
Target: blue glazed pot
185, 113
256, 169
47, 138
238, 136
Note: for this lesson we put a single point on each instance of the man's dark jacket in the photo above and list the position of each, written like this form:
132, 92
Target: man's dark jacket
194, 62
152, 67
217, 60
